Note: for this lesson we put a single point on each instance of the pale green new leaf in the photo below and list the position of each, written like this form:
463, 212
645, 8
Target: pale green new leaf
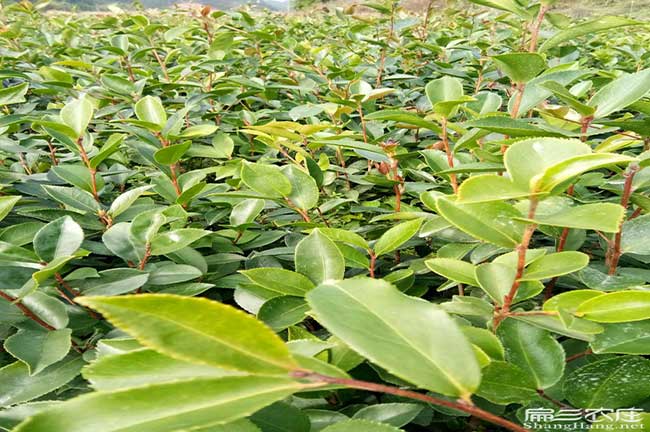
318, 258
396, 236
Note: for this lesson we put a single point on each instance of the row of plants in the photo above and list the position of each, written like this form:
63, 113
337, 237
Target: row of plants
348, 222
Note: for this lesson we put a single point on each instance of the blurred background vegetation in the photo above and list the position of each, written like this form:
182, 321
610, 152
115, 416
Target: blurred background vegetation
574, 8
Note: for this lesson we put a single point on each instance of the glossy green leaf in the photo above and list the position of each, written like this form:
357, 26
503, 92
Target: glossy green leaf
267, 180
367, 314
304, 191
605, 217
556, 264
614, 383
488, 187
534, 350
6, 204
359, 425
14, 94
171, 241
396, 236
394, 414
492, 222
171, 154
77, 114
149, 109
38, 349
520, 67
201, 402
596, 25
621, 306
59, 238
281, 281
504, 383
453, 269
196, 330
17, 385
318, 258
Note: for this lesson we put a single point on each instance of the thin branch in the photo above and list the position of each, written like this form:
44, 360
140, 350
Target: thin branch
464, 405
26, 311
614, 251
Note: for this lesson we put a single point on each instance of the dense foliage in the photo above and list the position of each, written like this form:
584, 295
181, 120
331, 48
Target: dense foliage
344, 223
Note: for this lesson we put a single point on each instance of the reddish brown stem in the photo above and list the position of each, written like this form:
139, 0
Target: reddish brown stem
522, 248
26, 311
363, 123
93, 171
536, 25
579, 355
373, 262
53, 158
614, 249
450, 157
464, 404
548, 292
146, 256
519, 88
584, 127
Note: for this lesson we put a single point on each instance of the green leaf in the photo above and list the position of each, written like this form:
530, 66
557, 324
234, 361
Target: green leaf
445, 94
504, 383
623, 338
564, 171
267, 180
282, 312
111, 145
60, 238
453, 269
508, 126
17, 385
394, 414
38, 349
605, 217
224, 145
14, 94
171, 154
635, 235
183, 405
569, 98
74, 198
149, 109
613, 383
492, 222
171, 241
246, 211
304, 191
357, 425
125, 200
198, 131
597, 25
196, 330
77, 175
396, 236
345, 236
556, 264
489, 187
281, 417
76, 114
318, 258
570, 300
621, 306
281, 281
505, 5
6, 204
520, 67
144, 367
403, 117
527, 160
428, 349
534, 350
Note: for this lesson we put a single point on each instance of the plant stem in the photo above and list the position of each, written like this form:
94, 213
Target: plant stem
579, 355
382, 61
450, 157
363, 123
584, 127
522, 248
145, 258
614, 249
548, 292
460, 404
26, 311
373, 262
519, 88
536, 25
93, 171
